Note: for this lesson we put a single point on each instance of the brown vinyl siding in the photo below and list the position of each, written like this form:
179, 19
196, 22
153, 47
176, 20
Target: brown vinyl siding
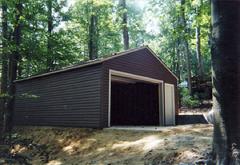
140, 62
70, 98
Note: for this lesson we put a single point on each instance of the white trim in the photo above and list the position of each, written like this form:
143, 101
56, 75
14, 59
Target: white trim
161, 103
159, 106
109, 98
169, 84
174, 108
133, 76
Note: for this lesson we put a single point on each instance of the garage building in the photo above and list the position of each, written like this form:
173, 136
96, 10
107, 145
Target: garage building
133, 87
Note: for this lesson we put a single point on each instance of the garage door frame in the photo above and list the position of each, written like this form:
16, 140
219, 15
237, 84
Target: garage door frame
137, 77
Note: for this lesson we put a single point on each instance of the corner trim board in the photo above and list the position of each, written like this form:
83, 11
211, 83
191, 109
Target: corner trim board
173, 102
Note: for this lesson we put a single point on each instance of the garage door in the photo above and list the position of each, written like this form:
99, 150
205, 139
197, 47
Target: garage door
134, 104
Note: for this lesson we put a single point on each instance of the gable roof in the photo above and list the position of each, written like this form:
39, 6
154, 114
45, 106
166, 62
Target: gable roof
99, 61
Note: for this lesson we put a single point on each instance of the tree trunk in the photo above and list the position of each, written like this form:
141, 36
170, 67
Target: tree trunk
198, 44
186, 46
188, 66
174, 59
13, 66
178, 60
4, 59
93, 37
50, 60
178, 52
198, 52
122, 4
226, 80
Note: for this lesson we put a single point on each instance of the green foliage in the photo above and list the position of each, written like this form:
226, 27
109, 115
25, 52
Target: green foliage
187, 100
169, 41
108, 27
156, 23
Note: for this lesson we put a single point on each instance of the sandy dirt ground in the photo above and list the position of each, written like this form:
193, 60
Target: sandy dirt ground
187, 144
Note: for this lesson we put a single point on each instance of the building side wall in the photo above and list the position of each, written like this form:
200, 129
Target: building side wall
69, 98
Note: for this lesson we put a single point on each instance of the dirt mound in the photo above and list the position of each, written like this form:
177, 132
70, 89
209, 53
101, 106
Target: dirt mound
58, 146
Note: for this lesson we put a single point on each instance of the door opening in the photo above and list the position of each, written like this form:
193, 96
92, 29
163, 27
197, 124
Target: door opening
134, 100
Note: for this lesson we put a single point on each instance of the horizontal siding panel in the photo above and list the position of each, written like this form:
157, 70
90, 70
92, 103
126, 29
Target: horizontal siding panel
23, 113
77, 96
66, 106
65, 99
56, 110
51, 120
64, 102
60, 90
76, 111
82, 118
64, 124
68, 85
63, 118
85, 125
68, 92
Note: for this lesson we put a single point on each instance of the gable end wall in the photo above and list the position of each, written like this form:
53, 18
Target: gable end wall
141, 63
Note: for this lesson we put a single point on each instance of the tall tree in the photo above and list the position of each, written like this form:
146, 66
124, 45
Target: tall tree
13, 66
198, 42
4, 59
50, 60
186, 45
102, 14
93, 34
123, 8
226, 80
178, 59
198, 51
177, 47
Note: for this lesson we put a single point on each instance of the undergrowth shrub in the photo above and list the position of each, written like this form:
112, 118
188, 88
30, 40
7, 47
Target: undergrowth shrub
187, 100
